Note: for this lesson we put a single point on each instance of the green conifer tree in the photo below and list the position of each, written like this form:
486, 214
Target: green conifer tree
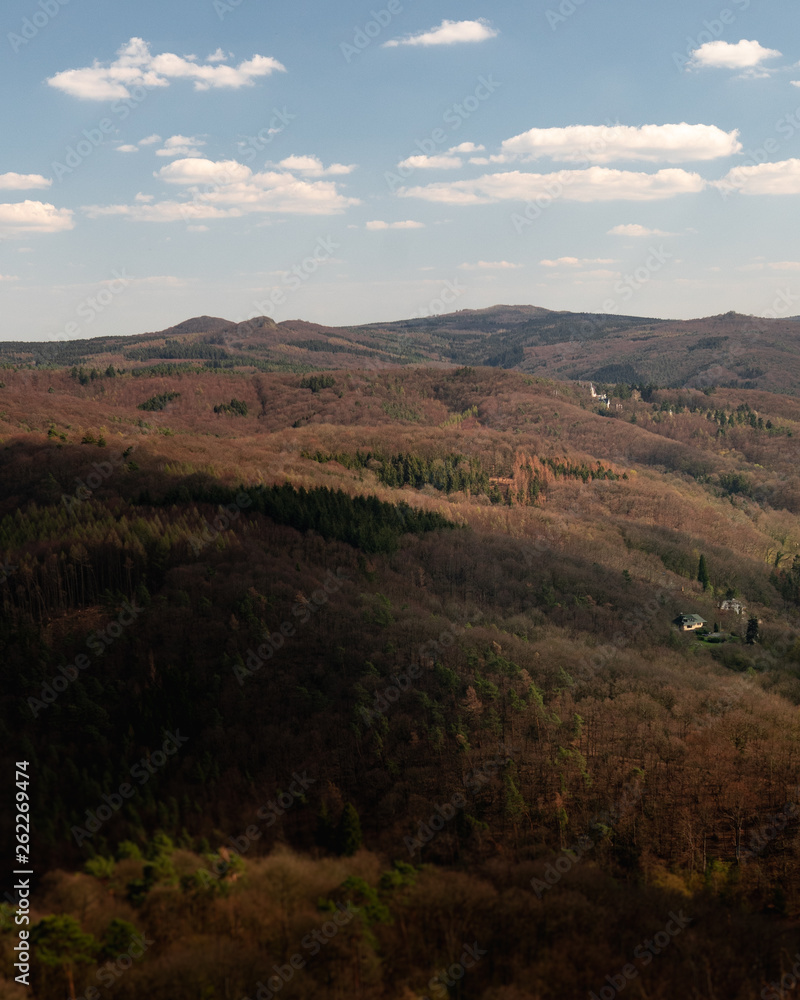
348, 833
60, 942
702, 573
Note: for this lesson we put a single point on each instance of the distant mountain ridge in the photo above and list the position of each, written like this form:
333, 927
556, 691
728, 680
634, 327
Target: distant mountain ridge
199, 324
730, 349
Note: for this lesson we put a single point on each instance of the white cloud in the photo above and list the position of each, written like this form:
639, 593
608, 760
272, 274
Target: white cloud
151, 140
127, 148
181, 145
795, 83
577, 261
466, 147
422, 162
778, 265
197, 229
490, 265
782, 177
26, 217
594, 184
313, 166
377, 224
23, 182
634, 229
218, 56
136, 66
229, 189
448, 33
143, 197
163, 211
9, 277
607, 143
203, 171
725, 55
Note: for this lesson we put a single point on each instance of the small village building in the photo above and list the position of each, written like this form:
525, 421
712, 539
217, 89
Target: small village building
689, 623
600, 397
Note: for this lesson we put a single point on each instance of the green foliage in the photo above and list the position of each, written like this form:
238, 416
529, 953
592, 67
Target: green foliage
366, 523
446, 678
100, 867
358, 461
401, 411
451, 473
366, 898
236, 407
161, 846
380, 612
117, 938
162, 370
401, 876
348, 833
514, 804
702, 573
484, 688
7, 912
138, 888
326, 346
316, 383
787, 582
127, 849
457, 418
501, 665
565, 469
159, 401
736, 483
228, 868
59, 941
175, 349
536, 697
83, 376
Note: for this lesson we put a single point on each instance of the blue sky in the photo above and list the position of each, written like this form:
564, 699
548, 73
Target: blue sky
346, 163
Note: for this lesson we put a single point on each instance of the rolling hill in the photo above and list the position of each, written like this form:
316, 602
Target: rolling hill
396, 642
729, 350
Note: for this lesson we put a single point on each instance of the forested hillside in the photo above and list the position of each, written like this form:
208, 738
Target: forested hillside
366, 683
733, 350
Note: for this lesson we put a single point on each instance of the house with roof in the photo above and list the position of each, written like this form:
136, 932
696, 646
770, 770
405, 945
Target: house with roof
689, 623
732, 605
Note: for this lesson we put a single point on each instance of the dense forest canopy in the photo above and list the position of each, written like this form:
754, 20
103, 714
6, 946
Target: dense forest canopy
366, 683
